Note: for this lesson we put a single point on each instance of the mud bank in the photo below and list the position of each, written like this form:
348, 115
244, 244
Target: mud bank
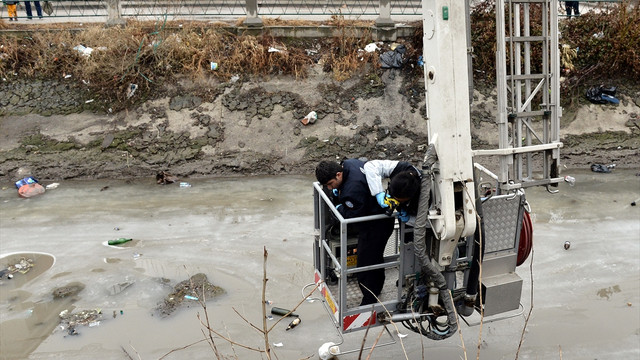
253, 127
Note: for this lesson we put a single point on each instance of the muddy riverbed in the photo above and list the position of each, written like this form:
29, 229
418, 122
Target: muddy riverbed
586, 298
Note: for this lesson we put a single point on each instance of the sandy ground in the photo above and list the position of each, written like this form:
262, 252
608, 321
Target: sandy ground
585, 298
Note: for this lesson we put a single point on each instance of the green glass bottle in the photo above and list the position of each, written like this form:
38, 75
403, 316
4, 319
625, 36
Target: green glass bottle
281, 312
118, 241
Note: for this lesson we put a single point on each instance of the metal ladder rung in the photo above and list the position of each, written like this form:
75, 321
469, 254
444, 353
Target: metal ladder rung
528, 77
526, 38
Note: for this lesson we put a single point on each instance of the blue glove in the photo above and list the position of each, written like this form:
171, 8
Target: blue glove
380, 197
403, 216
335, 192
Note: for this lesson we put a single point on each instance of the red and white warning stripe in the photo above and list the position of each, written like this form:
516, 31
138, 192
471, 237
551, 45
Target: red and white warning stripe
352, 322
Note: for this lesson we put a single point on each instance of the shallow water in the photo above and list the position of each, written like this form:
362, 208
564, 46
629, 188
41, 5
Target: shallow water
586, 298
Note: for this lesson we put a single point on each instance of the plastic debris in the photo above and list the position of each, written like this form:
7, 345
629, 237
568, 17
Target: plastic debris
185, 185
278, 344
272, 49
602, 95
23, 266
86, 317
51, 186
601, 168
189, 297
311, 118
89, 101
328, 351
570, 179
393, 58
234, 78
214, 66
131, 90
371, 47
84, 50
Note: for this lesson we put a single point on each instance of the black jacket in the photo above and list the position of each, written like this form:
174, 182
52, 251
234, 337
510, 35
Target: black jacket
354, 195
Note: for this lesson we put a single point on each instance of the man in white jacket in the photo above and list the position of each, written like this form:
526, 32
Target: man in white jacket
404, 185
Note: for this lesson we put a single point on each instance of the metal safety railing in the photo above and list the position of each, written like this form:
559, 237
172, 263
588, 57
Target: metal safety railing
202, 9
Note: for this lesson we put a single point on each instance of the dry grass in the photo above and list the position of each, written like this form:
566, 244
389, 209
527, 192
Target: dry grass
150, 53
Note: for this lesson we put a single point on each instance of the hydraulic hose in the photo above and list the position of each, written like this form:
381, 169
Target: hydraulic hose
420, 247
467, 308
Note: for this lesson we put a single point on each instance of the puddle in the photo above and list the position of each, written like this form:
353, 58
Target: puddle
38, 264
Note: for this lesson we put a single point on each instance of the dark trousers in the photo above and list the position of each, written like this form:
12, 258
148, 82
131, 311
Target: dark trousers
27, 8
372, 240
572, 5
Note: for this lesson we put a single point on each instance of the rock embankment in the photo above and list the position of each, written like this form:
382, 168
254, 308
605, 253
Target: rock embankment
53, 130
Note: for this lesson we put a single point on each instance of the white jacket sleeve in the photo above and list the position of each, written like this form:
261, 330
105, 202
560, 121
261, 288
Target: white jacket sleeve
375, 171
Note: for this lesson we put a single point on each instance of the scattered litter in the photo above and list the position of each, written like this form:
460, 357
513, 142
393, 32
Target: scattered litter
400, 335
52, 186
328, 351
234, 78
567, 245
393, 58
89, 101
371, 47
268, 302
189, 297
104, 188
85, 82
602, 95
84, 50
116, 228
29, 187
118, 288
272, 49
269, 317
420, 61
282, 312
311, 118
185, 185
633, 203
23, 266
136, 256
118, 241
278, 344
570, 179
214, 66
68, 76
131, 90
164, 178
602, 168
293, 324
86, 317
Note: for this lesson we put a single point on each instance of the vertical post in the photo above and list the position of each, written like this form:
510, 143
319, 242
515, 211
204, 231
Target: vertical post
384, 15
114, 13
252, 19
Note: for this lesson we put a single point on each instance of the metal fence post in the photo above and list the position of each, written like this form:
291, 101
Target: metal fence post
114, 13
384, 19
252, 19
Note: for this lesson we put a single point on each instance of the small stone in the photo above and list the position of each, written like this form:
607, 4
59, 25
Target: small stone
567, 245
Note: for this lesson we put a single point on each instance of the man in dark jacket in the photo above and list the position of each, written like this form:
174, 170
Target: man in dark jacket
354, 200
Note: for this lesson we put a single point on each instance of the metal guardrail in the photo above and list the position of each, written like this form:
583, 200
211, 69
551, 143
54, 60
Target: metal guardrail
219, 8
